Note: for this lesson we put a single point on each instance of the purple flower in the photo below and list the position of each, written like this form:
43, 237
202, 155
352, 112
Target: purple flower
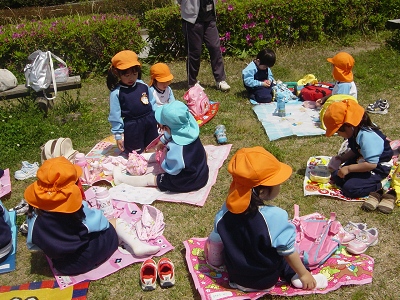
20, 26
272, 16
250, 15
230, 7
266, 21
245, 26
227, 35
248, 37
223, 49
260, 36
252, 25
277, 42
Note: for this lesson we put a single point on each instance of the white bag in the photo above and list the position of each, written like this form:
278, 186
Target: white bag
39, 73
7, 80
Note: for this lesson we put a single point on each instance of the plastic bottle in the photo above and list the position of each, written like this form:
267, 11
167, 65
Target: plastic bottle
80, 160
280, 105
103, 200
213, 250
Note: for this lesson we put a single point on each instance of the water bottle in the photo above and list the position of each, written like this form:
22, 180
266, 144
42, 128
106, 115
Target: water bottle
213, 250
80, 160
103, 200
280, 105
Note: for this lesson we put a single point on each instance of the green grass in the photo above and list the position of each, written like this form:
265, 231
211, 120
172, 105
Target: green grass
376, 75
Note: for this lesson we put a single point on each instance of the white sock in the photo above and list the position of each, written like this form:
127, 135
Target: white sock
149, 156
322, 281
128, 235
139, 181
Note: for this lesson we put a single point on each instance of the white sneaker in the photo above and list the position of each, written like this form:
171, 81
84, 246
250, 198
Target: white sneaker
28, 170
21, 208
223, 86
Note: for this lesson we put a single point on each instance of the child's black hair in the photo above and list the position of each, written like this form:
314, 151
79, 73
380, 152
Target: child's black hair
114, 75
255, 201
267, 57
367, 123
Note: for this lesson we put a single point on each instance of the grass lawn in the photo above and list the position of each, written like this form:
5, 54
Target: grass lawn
376, 75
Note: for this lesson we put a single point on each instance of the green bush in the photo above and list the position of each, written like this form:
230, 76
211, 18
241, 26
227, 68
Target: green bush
86, 43
245, 27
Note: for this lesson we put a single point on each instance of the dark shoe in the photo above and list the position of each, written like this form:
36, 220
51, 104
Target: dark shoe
387, 202
372, 202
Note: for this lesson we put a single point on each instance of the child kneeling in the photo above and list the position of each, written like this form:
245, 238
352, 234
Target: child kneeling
258, 240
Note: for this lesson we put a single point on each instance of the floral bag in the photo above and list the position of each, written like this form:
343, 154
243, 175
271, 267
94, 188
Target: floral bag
136, 164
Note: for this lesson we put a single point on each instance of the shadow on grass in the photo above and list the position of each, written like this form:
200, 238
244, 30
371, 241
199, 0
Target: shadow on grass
39, 264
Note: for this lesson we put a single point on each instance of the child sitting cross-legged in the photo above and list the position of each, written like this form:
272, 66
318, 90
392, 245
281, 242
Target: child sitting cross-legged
258, 240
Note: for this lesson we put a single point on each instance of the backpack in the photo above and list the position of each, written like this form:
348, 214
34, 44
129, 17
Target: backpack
316, 91
7, 80
136, 164
316, 237
197, 101
58, 147
40, 73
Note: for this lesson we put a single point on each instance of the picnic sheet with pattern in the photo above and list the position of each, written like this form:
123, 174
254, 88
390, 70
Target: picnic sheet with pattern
213, 283
216, 155
299, 121
312, 188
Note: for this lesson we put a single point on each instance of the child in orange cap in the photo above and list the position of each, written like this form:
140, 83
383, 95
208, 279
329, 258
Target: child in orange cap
131, 104
161, 78
258, 239
74, 236
342, 71
368, 161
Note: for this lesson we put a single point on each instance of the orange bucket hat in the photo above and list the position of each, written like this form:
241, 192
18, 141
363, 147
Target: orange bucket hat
343, 64
56, 189
160, 72
251, 167
346, 111
125, 59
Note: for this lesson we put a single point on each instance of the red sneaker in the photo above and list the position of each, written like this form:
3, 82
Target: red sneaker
148, 275
166, 272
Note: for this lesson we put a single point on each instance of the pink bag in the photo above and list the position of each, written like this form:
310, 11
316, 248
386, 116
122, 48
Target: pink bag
197, 101
316, 237
136, 164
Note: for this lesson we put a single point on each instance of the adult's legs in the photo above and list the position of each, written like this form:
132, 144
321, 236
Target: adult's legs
193, 34
211, 39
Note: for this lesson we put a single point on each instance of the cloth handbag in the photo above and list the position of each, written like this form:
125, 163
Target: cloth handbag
316, 237
40, 74
58, 147
197, 101
136, 164
7, 80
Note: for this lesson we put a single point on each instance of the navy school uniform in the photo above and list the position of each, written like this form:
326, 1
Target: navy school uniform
74, 246
185, 168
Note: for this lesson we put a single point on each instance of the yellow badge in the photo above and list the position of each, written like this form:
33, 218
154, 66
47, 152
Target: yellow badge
144, 98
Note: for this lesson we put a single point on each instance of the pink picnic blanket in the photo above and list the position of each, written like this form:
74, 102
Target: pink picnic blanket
5, 183
216, 155
121, 258
212, 283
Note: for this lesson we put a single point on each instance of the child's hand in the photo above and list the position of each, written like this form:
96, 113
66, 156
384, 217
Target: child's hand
318, 103
308, 281
343, 171
267, 83
120, 144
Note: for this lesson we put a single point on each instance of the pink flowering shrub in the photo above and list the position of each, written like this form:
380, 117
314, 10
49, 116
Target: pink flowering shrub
85, 43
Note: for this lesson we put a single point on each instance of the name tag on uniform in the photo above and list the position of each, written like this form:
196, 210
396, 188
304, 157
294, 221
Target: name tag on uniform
209, 7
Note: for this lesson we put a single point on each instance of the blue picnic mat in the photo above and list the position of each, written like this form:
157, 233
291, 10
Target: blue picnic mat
299, 121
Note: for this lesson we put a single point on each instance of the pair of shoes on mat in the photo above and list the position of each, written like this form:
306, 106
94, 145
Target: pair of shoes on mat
149, 272
351, 230
382, 202
363, 240
220, 134
28, 170
21, 208
380, 106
